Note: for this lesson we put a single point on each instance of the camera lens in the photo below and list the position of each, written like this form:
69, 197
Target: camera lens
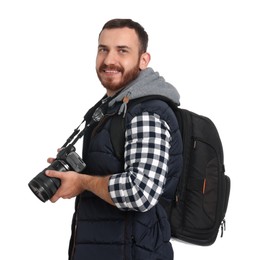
45, 187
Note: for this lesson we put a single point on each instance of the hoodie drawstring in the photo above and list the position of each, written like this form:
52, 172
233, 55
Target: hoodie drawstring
123, 107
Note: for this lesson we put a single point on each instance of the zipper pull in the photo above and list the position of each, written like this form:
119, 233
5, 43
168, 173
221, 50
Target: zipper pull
175, 201
223, 227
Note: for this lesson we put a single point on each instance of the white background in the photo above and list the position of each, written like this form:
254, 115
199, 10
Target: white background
206, 49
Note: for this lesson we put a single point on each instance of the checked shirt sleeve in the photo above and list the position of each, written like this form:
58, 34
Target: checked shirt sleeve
146, 157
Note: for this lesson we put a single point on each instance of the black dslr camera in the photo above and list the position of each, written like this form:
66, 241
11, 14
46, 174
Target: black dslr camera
67, 159
45, 187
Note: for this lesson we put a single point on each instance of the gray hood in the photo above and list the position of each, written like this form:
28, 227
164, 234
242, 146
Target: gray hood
147, 83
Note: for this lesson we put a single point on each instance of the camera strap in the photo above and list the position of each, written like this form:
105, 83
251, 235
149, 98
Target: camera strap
94, 115
72, 136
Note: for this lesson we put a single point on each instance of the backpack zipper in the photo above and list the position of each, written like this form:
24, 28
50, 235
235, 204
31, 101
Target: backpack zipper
222, 227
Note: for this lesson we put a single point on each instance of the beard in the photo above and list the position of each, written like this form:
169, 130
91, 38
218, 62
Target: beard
126, 78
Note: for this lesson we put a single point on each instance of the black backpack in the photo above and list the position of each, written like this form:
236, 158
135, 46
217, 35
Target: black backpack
198, 211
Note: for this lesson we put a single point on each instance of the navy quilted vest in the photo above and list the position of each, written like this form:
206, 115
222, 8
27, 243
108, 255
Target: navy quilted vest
101, 231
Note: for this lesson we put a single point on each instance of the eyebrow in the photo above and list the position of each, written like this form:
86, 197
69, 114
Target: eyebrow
102, 46
123, 47
118, 47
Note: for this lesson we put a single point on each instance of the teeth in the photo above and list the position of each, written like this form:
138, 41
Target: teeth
111, 71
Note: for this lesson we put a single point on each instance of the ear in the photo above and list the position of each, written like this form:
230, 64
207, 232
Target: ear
144, 60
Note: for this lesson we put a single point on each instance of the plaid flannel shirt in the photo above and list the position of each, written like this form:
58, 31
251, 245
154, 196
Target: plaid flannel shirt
146, 154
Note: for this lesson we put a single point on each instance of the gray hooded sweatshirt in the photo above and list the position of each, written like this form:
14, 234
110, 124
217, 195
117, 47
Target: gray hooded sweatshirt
147, 83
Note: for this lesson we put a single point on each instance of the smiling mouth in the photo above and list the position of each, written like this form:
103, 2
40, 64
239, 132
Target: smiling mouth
111, 71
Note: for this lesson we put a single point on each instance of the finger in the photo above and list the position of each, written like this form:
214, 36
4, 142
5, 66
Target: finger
50, 159
55, 174
54, 198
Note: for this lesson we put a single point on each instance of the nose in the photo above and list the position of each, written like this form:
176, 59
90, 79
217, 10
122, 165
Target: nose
110, 58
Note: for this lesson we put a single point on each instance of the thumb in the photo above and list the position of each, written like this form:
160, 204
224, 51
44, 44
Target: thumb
55, 174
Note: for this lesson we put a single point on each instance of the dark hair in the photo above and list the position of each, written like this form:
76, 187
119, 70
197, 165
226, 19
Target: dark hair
122, 23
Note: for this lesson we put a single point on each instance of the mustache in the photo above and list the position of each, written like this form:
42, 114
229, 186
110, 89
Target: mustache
111, 67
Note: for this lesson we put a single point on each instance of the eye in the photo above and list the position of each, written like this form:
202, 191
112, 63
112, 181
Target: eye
102, 49
123, 51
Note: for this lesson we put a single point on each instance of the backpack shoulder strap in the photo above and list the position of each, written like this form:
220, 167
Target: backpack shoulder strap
117, 130
117, 133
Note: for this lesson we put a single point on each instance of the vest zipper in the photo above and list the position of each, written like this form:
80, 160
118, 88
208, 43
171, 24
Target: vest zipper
75, 232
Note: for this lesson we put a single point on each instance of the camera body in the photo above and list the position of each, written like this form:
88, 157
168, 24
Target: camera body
67, 159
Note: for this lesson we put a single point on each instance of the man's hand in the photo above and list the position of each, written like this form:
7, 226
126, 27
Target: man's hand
71, 184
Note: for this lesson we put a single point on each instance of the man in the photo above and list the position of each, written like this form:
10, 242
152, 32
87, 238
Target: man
117, 213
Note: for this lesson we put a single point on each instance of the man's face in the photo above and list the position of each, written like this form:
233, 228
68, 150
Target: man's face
118, 61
